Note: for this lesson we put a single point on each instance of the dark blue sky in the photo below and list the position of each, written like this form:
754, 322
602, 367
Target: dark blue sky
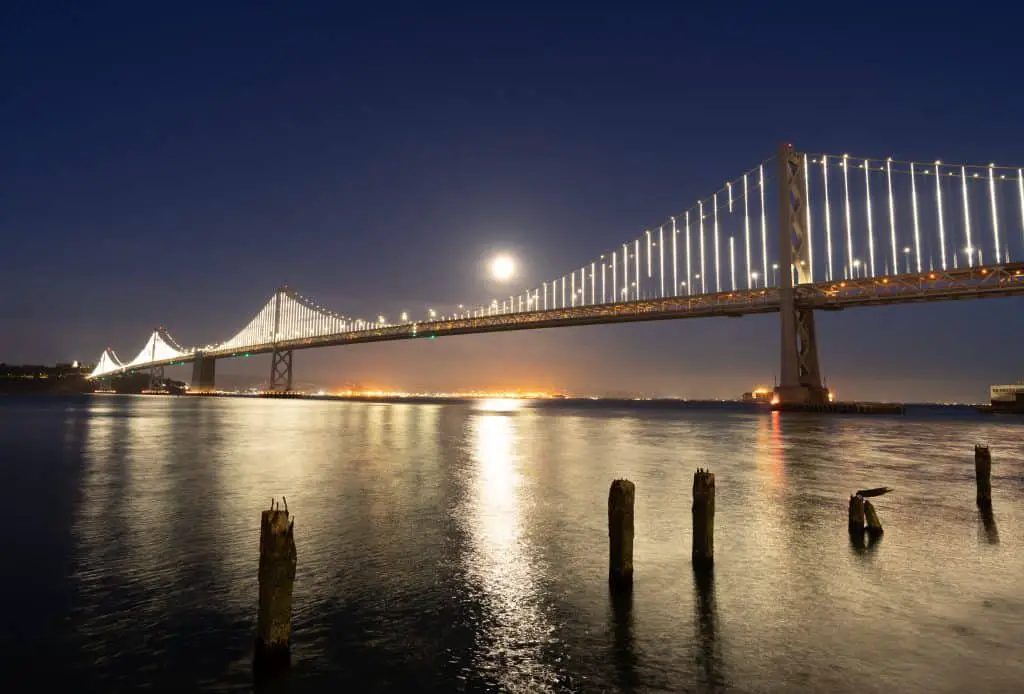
176, 166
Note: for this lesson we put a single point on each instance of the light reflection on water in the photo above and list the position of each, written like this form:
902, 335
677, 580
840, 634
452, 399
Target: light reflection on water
501, 563
464, 547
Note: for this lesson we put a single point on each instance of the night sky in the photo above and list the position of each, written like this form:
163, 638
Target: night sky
175, 165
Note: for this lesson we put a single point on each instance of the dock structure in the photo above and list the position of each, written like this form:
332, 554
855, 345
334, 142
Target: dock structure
842, 407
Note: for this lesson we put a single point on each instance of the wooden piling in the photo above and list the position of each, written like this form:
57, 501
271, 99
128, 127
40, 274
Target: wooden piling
621, 496
703, 554
874, 525
276, 575
983, 475
856, 515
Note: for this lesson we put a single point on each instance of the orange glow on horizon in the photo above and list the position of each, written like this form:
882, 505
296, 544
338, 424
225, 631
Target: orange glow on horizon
387, 393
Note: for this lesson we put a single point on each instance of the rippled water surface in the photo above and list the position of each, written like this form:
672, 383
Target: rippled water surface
463, 547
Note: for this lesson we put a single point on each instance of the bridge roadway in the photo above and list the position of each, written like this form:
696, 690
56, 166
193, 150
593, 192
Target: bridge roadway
968, 283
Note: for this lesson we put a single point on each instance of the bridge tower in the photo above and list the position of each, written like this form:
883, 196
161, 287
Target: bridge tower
281, 359
204, 374
800, 375
156, 373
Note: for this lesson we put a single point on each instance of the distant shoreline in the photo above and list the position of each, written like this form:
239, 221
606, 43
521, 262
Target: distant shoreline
638, 403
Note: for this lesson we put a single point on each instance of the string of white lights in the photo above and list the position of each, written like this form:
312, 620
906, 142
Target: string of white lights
718, 275
870, 217
828, 220
807, 210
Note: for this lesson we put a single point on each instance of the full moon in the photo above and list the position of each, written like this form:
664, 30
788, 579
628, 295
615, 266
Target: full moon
503, 268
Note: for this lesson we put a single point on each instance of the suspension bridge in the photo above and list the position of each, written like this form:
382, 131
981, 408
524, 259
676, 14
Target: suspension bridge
840, 231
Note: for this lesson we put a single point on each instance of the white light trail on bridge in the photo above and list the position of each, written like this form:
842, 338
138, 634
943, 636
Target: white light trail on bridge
647, 232
1020, 198
746, 226
636, 258
917, 229
703, 275
155, 349
728, 187
938, 207
807, 207
573, 287
718, 277
967, 213
593, 283
870, 214
615, 278
846, 212
828, 218
732, 263
689, 280
675, 258
661, 259
108, 364
625, 269
995, 210
604, 283
764, 224
563, 291
892, 216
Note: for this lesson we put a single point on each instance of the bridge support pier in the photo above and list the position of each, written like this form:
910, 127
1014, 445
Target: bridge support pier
281, 371
800, 373
156, 377
204, 374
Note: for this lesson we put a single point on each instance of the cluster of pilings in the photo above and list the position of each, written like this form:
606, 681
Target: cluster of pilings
278, 558
864, 523
621, 498
863, 519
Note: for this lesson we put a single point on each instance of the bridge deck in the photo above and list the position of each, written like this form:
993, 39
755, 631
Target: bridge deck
969, 283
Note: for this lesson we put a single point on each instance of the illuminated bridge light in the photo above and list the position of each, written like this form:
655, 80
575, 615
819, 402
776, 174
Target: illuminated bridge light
291, 320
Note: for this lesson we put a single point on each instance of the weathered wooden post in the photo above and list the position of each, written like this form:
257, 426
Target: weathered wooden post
983, 475
703, 554
874, 524
621, 496
277, 574
856, 515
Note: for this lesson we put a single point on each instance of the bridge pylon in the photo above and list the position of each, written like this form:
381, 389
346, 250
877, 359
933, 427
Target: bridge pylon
800, 373
156, 377
281, 371
281, 360
203, 374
